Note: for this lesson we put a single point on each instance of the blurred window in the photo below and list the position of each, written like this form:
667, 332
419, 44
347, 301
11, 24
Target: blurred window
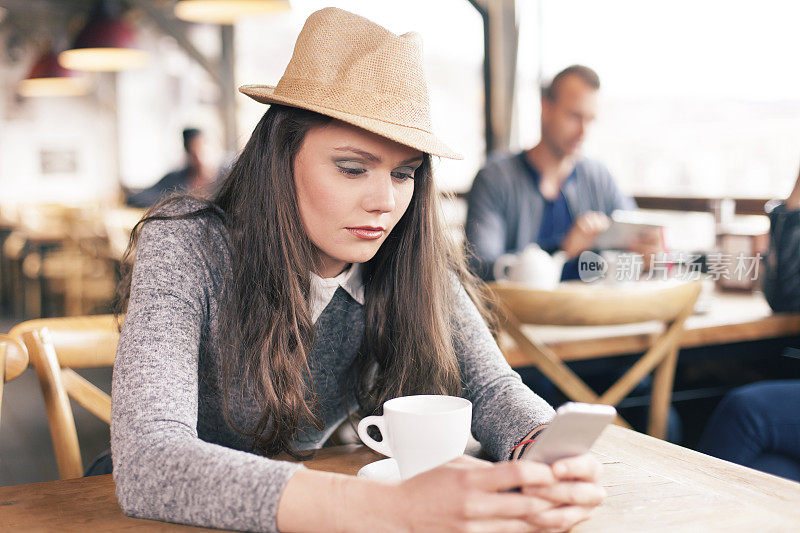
697, 99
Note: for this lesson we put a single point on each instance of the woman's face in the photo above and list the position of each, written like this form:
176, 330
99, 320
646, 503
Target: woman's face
352, 188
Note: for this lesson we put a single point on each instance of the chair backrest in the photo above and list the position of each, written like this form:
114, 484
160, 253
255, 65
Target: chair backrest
670, 303
56, 346
13, 361
597, 306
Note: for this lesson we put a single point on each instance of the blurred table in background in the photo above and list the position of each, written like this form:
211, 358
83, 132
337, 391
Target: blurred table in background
730, 317
62, 259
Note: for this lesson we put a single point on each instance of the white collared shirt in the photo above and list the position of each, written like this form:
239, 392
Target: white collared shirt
322, 289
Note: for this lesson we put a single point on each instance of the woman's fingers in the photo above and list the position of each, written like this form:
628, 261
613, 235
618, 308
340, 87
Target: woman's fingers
505, 505
501, 526
569, 493
561, 518
510, 475
582, 467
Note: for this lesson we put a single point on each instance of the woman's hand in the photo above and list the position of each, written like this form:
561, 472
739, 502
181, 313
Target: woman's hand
468, 494
572, 497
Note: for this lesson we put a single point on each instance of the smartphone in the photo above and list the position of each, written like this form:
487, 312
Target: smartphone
572, 432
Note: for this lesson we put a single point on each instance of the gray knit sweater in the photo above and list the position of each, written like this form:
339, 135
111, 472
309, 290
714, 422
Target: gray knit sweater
176, 459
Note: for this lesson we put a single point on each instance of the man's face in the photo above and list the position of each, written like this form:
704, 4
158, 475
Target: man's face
566, 119
197, 151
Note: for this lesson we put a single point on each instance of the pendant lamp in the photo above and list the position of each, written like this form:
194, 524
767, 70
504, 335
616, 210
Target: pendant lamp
225, 11
48, 78
106, 43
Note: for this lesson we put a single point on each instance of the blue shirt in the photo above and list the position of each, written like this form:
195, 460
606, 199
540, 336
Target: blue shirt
556, 221
505, 206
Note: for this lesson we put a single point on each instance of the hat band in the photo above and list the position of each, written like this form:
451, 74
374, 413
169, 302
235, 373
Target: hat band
354, 101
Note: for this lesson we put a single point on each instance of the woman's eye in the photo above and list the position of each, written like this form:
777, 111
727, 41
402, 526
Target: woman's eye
351, 171
403, 174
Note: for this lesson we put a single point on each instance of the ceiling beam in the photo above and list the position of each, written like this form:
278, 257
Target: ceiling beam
222, 72
168, 25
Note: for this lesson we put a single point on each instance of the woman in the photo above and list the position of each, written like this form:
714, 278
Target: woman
319, 282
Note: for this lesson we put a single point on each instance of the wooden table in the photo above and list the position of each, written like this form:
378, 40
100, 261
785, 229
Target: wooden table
652, 486
732, 317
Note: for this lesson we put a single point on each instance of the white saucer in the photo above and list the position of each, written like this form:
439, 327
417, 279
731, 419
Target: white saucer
383, 470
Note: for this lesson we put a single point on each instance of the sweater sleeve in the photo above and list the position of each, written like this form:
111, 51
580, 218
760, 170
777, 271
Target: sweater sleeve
504, 410
782, 265
162, 470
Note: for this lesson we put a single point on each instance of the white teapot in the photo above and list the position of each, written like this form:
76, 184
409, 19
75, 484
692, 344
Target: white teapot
532, 266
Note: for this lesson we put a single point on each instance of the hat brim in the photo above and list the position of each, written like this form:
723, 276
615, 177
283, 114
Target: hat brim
413, 137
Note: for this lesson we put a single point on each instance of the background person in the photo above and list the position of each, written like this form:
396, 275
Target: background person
196, 176
758, 425
549, 194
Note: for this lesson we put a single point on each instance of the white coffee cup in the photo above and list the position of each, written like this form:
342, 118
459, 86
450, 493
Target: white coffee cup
420, 432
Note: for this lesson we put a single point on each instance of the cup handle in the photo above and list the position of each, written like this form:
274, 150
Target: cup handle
501, 266
380, 447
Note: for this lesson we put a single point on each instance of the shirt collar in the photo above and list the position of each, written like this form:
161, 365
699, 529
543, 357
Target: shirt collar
323, 289
533, 172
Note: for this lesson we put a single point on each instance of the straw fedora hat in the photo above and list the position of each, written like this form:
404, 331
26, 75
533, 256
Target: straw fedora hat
349, 68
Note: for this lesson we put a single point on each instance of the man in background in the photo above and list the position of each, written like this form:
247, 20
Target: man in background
197, 176
550, 194
553, 196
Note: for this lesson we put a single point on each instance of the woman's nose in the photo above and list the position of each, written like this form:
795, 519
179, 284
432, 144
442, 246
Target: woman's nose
380, 195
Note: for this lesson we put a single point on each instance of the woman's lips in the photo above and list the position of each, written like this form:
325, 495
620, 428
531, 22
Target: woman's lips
367, 232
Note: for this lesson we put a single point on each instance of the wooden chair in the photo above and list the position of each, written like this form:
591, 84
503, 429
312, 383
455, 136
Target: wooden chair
56, 346
595, 306
13, 361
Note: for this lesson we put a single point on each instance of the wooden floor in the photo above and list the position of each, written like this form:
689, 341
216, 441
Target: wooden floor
26, 451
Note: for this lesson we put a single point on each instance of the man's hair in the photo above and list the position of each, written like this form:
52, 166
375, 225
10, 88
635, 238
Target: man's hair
188, 136
587, 75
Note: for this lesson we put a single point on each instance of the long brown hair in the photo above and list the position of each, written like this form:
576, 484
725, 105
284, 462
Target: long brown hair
265, 328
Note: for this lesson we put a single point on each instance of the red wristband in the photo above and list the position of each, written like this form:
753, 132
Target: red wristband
526, 441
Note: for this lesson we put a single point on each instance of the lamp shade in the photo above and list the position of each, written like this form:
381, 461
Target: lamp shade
48, 78
106, 43
225, 11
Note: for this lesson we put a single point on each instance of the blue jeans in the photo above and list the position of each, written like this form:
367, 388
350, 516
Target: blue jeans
758, 426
